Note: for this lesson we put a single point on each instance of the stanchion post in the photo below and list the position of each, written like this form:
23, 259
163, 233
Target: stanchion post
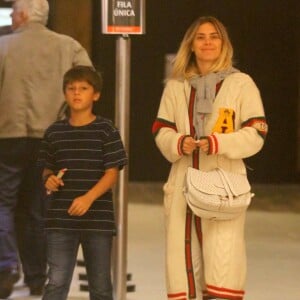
122, 18
122, 117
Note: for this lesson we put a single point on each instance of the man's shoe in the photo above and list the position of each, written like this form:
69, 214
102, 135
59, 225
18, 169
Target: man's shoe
36, 290
7, 280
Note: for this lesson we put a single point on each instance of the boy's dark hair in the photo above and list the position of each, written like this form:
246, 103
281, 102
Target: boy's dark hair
83, 73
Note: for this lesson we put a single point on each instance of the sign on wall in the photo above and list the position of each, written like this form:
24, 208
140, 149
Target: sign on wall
123, 16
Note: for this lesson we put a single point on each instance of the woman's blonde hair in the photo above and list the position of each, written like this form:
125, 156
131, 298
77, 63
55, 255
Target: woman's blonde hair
185, 63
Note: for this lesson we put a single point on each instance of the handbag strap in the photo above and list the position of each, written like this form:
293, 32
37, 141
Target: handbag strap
226, 183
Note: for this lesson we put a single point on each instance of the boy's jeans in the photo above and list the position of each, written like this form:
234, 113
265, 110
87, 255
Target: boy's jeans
62, 249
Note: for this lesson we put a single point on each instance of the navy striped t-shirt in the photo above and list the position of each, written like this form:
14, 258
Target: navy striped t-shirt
86, 151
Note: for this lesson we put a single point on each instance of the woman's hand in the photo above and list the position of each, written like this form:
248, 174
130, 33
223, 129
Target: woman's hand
189, 144
203, 145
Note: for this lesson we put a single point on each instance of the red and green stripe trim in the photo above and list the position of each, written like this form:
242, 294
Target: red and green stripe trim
161, 123
259, 123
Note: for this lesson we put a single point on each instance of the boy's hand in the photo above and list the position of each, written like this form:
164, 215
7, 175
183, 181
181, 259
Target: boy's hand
53, 183
80, 206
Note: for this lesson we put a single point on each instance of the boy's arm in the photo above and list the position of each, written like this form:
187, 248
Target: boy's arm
80, 205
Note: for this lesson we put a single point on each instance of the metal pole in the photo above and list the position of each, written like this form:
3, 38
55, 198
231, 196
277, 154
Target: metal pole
122, 122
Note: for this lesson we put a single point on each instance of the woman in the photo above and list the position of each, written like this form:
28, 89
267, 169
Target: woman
211, 115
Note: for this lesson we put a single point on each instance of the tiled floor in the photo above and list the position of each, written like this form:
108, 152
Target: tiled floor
273, 244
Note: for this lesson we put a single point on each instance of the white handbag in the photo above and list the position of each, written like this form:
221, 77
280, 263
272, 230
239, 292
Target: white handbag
217, 194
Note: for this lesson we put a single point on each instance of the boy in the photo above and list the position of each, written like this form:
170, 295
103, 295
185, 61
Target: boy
89, 150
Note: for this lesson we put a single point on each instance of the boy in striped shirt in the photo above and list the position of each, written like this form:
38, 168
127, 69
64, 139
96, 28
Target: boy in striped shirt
90, 151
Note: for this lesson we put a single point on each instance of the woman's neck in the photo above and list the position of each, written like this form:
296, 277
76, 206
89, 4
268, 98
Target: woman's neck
204, 67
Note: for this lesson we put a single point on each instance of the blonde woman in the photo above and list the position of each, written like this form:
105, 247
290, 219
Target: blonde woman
211, 115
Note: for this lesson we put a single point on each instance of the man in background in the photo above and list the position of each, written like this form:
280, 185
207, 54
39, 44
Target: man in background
33, 60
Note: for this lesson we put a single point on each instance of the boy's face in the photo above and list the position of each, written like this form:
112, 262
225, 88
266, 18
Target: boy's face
80, 96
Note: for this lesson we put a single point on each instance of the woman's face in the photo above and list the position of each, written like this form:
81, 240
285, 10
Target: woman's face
207, 45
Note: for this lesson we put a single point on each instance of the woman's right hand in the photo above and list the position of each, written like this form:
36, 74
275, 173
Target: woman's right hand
189, 145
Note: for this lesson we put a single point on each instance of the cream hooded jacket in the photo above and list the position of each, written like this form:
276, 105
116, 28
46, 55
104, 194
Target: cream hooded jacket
238, 102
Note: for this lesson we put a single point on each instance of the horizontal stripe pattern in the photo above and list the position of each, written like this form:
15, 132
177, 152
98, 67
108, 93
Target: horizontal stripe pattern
213, 144
86, 152
259, 123
177, 296
161, 123
226, 293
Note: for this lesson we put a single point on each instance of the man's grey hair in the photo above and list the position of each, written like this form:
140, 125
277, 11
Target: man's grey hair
37, 10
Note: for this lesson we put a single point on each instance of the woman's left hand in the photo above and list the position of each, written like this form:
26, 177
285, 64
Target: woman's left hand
203, 145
